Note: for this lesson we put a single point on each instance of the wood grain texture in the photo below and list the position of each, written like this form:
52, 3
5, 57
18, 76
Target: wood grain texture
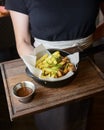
87, 82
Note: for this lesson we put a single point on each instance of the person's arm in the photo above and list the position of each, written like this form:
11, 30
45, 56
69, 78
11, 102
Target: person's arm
22, 33
102, 7
99, 32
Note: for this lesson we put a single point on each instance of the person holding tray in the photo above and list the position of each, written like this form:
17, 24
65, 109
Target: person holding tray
58, 24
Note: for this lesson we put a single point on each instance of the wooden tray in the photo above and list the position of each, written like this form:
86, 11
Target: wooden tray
89, 80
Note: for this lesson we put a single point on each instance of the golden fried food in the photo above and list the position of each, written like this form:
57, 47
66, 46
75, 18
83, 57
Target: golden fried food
54, 65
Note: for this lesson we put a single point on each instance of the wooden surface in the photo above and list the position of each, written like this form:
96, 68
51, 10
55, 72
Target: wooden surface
88, 81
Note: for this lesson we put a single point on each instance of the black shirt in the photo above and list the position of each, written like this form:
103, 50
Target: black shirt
56, 20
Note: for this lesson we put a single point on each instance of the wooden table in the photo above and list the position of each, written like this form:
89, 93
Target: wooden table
89, 80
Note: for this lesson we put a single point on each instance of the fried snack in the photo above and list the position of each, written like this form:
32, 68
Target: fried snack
41, 59
54, 65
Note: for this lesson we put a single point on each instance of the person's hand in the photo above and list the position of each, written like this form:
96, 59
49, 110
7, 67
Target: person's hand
99, 32
3, 11
25, 50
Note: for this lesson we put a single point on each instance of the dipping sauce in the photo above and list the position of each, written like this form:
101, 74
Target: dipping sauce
24, 91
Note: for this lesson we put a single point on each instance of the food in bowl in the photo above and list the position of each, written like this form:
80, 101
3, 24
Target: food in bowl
54, 65
24, 91
50, 81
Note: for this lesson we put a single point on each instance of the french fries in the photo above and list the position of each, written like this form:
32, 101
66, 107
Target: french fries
54, 65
